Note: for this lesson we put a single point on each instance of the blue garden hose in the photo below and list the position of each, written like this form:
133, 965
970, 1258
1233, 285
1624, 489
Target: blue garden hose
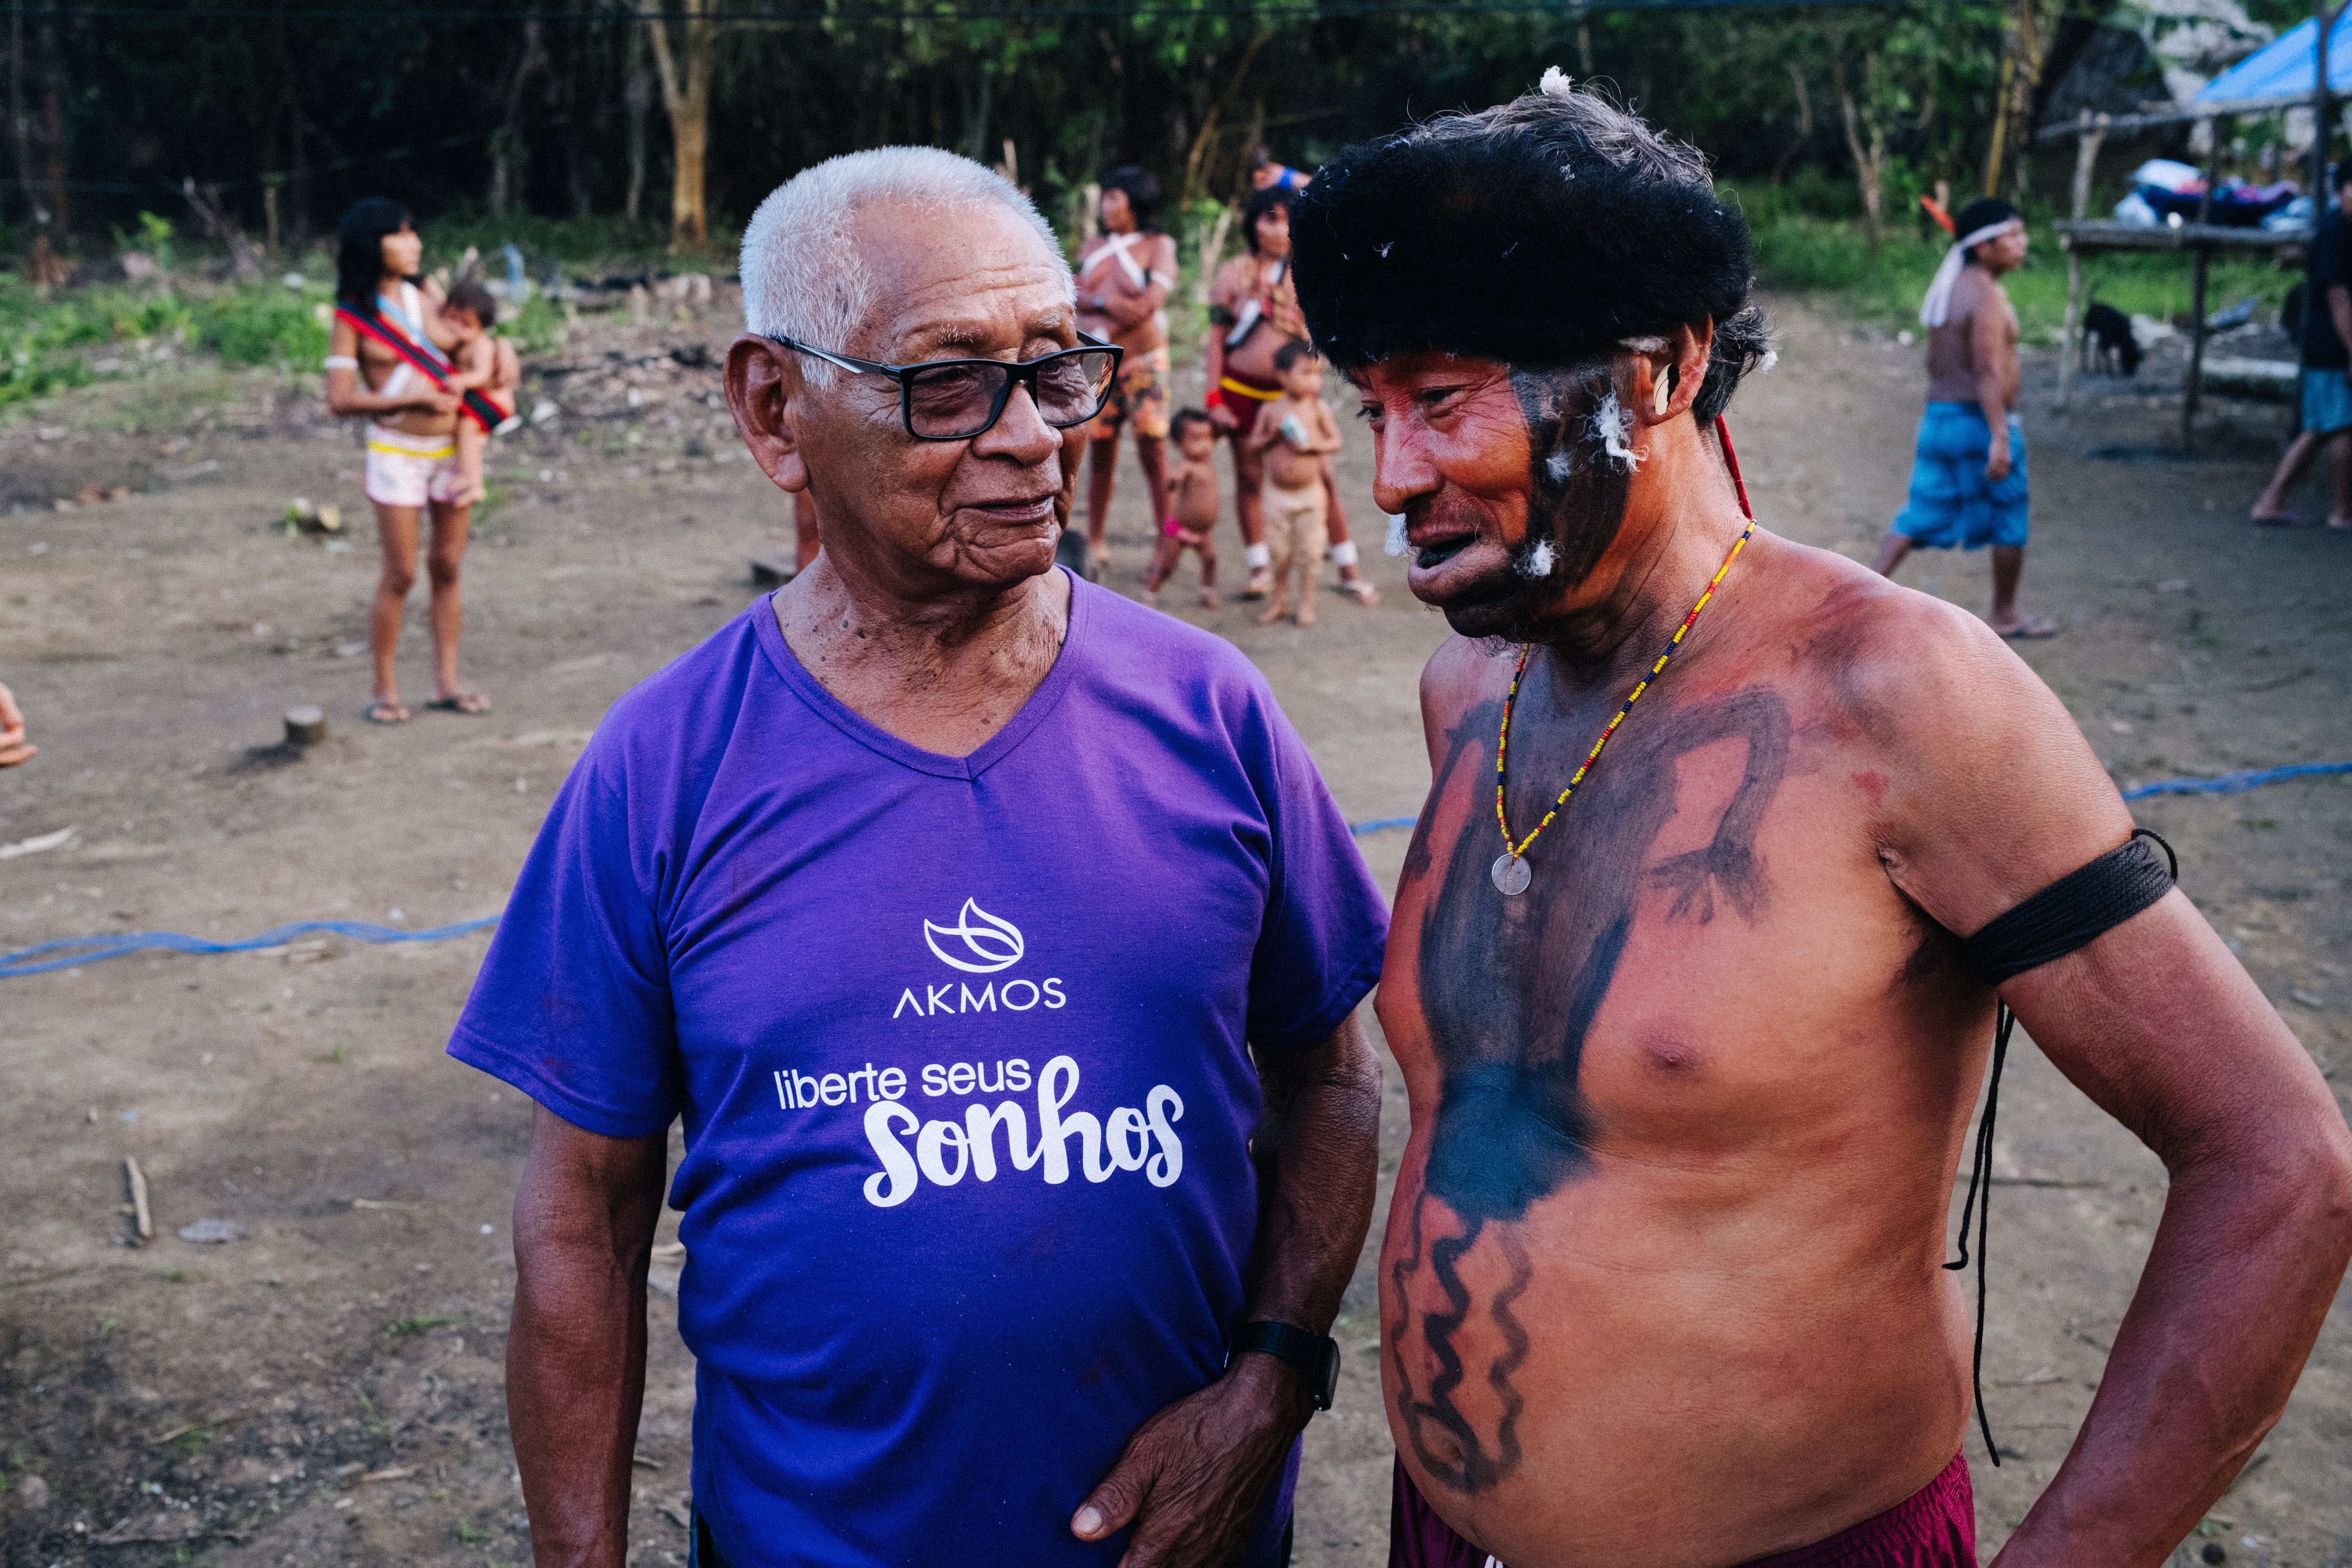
67, 952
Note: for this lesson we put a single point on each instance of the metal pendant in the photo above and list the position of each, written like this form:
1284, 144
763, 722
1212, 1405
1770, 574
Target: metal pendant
1511, 875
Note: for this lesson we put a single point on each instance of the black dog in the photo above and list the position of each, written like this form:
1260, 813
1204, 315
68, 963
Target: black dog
2110, 330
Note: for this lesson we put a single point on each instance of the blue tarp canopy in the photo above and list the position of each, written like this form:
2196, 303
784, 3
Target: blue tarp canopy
2284, 69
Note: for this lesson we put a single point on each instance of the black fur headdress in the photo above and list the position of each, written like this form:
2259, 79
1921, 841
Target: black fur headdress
1540, 233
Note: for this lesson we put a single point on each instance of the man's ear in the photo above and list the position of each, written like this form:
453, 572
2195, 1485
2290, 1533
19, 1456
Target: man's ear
1666, 379
763, 387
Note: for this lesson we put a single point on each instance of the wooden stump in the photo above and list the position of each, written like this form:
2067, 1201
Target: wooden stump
305, 726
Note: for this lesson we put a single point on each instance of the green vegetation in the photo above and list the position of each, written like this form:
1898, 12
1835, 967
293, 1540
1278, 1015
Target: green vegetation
411, 1328
78, 336
1798, 251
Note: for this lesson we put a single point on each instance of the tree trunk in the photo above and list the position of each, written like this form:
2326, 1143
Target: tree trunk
1869, 162
20, 126
686, 96
298, 180
636, 97
1804, 122
509, 155
1204, 142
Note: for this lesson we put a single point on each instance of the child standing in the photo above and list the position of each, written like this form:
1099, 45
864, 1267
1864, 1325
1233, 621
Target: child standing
1297, 433
1192, 507
478, 362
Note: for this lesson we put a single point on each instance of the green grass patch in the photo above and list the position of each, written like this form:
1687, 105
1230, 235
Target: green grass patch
411, 1328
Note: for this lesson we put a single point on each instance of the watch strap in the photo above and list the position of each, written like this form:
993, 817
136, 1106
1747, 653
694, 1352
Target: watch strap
1317, 1356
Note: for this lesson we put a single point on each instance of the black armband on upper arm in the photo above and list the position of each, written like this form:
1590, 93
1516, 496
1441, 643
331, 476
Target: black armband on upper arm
1220, 317
2074, 910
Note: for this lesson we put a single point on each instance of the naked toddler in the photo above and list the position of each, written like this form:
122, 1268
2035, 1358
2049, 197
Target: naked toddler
1192, 508
478, 362
1298, 434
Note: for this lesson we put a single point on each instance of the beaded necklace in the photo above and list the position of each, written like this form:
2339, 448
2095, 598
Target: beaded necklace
1510, 872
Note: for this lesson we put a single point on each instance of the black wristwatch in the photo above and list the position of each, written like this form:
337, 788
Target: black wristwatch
1317, 1356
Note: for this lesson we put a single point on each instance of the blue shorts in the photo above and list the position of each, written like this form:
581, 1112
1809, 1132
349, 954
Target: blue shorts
2326, 402
1952, 503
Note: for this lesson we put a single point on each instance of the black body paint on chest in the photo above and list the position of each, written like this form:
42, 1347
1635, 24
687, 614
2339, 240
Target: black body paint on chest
1509, 989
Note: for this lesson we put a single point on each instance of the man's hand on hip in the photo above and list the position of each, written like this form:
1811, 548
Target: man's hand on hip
1192, 1478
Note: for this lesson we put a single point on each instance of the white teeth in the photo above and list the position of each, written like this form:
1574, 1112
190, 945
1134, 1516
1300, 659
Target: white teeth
1537, 563
1396, 534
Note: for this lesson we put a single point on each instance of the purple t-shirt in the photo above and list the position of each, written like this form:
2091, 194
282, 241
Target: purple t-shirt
962, 1044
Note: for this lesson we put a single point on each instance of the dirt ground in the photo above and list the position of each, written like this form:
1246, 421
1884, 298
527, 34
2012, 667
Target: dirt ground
326, 1388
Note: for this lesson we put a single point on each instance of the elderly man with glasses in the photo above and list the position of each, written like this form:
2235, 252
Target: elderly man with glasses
1000, 946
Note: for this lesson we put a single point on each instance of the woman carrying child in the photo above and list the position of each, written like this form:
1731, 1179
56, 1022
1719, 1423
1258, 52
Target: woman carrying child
388, 359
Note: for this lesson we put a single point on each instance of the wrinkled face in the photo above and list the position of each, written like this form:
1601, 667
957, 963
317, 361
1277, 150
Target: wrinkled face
403, 252
1273, 234
976, 283
1505, 478
1198, 443
1118, 212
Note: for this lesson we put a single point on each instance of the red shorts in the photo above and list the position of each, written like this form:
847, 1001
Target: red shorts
1236, 398
1936, 1527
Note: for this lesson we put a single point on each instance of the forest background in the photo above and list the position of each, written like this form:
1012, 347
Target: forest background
175, 168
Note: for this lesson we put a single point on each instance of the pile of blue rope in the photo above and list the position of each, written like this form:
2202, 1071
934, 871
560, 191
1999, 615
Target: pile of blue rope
67, 952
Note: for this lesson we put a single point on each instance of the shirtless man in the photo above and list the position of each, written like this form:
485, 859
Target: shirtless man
1691, 1064
1253, 312
411, 451
1124, 276
1968, 480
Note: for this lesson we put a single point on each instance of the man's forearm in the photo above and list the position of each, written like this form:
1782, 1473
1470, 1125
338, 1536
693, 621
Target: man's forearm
2202, 1364
1992, 400
575, 1384
585, 1218
1321, 1139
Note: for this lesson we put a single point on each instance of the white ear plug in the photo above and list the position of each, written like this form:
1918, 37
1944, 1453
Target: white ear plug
1665, 392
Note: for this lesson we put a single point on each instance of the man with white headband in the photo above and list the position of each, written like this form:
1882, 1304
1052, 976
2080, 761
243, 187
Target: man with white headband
1968, 479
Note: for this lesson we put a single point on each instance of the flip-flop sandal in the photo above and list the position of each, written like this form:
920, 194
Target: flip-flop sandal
2031, 631
2277, 519
382, 712
464, 702
1363, 593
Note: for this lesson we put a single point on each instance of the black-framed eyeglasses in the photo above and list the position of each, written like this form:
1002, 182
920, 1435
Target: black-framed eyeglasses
956, 399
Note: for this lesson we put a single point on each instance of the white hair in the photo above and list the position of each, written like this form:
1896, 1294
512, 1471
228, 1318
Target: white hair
803, 279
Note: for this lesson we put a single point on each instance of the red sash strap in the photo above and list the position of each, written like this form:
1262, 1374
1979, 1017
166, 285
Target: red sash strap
1731, 461
480, 409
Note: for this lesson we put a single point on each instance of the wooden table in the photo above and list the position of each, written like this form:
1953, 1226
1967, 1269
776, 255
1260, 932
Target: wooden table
2078, 236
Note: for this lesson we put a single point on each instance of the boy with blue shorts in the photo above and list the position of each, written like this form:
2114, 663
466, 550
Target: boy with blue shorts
1968, 479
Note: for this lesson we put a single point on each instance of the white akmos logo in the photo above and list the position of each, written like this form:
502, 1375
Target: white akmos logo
988, 944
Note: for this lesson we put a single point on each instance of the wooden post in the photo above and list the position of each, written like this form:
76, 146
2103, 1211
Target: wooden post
2212, 170
2319, 191
2088, 135
2196, 348
2072, 354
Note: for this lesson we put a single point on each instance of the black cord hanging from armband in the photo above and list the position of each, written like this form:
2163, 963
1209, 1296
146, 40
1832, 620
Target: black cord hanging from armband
2069, 913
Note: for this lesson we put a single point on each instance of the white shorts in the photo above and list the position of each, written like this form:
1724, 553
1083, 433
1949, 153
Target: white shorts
410, 470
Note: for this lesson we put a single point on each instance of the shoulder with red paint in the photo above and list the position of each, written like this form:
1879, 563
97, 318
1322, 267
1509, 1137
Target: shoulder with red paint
1944, 731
